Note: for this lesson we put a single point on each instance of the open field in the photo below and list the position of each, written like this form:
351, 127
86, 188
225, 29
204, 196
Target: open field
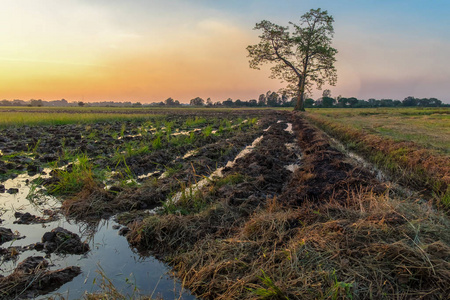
29, 116
240, 204
427, 127
414, 150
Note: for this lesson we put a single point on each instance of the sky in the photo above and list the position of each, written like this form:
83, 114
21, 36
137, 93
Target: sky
149, 50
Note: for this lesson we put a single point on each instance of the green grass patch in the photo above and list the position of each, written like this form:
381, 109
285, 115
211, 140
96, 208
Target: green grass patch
76, 178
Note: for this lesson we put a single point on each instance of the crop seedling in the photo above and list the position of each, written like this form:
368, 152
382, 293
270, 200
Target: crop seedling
73, 181
122, 130
35, 194
34, 148
270, 291
340, 289
207, 131
156, 144
195, 122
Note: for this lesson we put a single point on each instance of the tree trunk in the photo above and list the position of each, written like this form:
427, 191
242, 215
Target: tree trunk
300, 105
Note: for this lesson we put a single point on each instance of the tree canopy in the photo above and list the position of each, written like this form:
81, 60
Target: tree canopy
301, 57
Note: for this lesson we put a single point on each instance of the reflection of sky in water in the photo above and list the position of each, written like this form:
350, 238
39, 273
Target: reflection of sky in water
109, 252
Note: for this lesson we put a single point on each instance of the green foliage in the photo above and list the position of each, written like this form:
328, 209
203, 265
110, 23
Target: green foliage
35, 147
270, 291
231, 179
74, 180
16, 117
191, 201
340, 289
122, 129
194, 122
207, 130
156, 144
169, 126
172, 170
301, 57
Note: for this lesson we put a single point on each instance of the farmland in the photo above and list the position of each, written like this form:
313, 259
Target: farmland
427, 127
235, 204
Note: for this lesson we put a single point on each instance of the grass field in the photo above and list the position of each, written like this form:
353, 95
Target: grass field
412, 145
23, 116
427, 127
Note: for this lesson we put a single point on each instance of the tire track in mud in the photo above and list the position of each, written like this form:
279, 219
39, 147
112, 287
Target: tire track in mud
321, 174
264, 172
325, 173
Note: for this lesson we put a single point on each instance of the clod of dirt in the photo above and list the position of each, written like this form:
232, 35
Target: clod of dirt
31, 278
48, 157
124, 230
12, 191
27, 218
7, 235
61, 240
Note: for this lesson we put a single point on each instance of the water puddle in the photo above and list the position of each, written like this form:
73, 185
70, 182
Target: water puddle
289, 128
190, 153
293, 148
143, 176
126, 269
292, 167
187, 132
129, 136
361, 161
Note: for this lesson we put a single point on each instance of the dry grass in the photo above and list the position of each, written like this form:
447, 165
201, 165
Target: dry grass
429, 128
368, 247
407, 162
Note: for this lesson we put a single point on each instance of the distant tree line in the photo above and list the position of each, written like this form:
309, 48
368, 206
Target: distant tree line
269, 99
35, 103
327, 101
273, 99
62, 103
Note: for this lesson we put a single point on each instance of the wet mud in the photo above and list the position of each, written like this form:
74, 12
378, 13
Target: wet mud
325, 172
32, 275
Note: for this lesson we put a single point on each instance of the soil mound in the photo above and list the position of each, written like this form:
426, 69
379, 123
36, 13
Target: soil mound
32, 278
61, 240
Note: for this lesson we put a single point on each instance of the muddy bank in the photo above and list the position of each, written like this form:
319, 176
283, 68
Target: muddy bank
33, 226
325, 174
328, 228
32, 278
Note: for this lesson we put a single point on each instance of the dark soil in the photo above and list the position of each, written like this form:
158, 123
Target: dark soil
7, 235
325, 173
61, 240
27, 218
31, 278
211, 153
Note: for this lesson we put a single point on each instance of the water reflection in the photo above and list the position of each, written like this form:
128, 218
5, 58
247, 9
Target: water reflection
110, 258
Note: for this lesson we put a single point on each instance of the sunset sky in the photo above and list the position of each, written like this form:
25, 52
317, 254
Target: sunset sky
149, 50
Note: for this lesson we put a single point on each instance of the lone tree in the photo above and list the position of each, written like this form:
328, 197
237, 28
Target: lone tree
300, 58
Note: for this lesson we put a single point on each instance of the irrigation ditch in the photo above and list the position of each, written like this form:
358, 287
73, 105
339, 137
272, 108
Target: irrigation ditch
217, 205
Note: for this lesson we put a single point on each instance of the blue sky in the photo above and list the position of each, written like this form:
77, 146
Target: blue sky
151, 50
